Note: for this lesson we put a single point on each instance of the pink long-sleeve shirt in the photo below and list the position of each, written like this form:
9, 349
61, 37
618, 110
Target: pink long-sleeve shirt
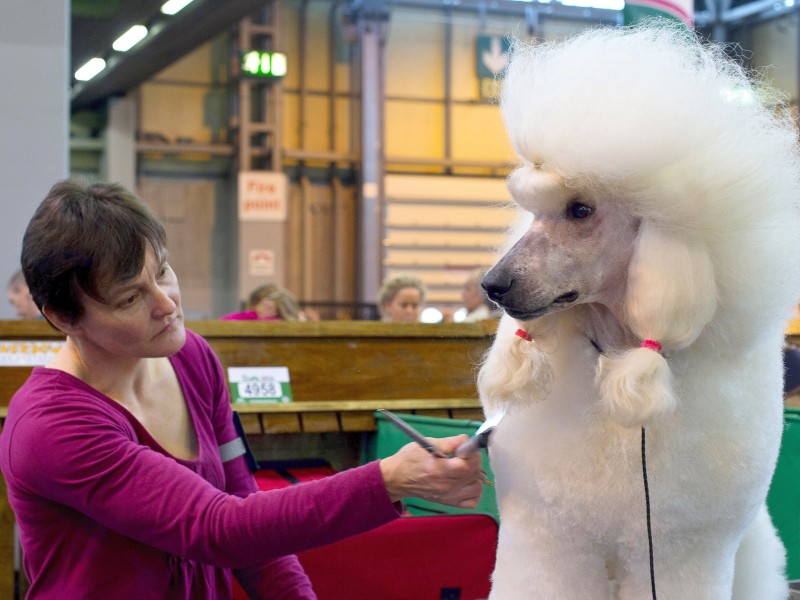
105, 512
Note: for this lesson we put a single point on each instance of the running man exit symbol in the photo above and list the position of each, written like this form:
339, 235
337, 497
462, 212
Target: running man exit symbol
492, 55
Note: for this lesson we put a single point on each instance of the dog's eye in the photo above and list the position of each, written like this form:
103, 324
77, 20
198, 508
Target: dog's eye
578, 210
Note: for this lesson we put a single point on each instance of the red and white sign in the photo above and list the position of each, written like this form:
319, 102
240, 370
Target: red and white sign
263, 196
261, 262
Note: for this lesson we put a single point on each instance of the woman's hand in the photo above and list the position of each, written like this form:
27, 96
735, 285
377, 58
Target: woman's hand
413, 472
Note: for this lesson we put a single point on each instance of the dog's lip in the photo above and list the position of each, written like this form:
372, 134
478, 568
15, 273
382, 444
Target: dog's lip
567, 298
559, 303
524, 315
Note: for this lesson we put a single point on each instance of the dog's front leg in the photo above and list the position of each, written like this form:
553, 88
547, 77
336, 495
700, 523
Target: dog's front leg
696, 567
536, 563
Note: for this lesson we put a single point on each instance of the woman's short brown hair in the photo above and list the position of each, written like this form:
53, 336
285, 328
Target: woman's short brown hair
84, 238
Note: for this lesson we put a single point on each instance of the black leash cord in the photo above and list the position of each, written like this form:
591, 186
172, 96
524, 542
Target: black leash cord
646, 499
647, 507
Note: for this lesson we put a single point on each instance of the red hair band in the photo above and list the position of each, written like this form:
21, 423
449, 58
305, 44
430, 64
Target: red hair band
524, 335
651, 345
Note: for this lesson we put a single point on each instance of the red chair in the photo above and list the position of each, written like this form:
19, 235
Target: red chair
445, 557
280, 474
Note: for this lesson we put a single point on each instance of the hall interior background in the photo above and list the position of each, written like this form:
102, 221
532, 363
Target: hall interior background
444, 207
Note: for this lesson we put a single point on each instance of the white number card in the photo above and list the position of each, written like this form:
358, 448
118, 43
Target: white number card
259, 384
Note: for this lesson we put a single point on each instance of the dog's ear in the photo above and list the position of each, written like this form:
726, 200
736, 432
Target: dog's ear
671, 296
514, 371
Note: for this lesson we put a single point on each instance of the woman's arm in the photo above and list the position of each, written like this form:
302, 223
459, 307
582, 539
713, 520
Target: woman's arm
71, 456
277, 579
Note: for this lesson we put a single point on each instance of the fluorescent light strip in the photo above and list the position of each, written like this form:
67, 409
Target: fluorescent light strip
172, 7
90, 69
607, 4
130, 38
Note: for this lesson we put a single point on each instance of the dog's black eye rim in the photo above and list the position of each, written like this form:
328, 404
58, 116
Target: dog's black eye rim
578, 210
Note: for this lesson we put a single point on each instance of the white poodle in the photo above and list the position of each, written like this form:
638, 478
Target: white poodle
646, 296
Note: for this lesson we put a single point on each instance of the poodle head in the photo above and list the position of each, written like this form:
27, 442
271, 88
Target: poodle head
577, 249
651, 122
653, 170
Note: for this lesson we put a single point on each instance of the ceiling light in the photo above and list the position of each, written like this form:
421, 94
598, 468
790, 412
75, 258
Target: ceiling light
90, 69
130, 38
172, 7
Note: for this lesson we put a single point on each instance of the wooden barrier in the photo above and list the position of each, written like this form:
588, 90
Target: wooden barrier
340, 372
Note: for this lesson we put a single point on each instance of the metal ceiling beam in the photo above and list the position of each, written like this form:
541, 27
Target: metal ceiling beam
544, 9
760, 8
168, 41
721, 15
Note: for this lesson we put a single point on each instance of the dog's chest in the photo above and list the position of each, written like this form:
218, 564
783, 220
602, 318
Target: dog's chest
562, 453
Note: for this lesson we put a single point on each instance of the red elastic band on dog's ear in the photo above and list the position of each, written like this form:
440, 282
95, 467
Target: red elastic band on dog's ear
524, 335
651, 345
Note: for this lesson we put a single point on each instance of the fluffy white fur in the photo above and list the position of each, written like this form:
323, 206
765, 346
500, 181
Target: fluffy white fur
660, 190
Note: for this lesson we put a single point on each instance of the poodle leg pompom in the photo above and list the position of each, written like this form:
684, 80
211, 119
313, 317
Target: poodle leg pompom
635, 387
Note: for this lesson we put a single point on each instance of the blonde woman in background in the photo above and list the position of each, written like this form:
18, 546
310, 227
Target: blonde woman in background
269, 302
401, 299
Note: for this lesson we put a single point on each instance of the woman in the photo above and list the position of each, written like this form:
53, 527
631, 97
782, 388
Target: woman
401, 299
268, 302
20, 298
112, 452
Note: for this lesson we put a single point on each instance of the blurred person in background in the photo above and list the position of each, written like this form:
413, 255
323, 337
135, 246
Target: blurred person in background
20, 298
270, 302
401, 299
476, 302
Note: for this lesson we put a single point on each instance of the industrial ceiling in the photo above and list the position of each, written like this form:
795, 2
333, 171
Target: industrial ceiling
97, 23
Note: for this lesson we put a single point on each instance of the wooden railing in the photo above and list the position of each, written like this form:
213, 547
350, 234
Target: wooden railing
340, 372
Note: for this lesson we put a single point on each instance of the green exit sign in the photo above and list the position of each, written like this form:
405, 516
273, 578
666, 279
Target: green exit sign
259, 63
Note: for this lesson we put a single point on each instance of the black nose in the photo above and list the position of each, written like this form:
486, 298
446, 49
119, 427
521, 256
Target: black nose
496, 286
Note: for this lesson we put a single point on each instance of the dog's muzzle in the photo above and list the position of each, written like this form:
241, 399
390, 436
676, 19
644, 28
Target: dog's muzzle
520, 304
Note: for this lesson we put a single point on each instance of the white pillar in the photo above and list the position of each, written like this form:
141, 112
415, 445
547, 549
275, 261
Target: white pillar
34, 117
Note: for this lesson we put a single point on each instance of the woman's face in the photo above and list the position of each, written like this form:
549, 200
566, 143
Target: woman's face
405, 307
266, 309
141, 318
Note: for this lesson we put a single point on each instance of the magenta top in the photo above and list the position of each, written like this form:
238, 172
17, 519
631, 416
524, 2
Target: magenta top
105, 512
247, 315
